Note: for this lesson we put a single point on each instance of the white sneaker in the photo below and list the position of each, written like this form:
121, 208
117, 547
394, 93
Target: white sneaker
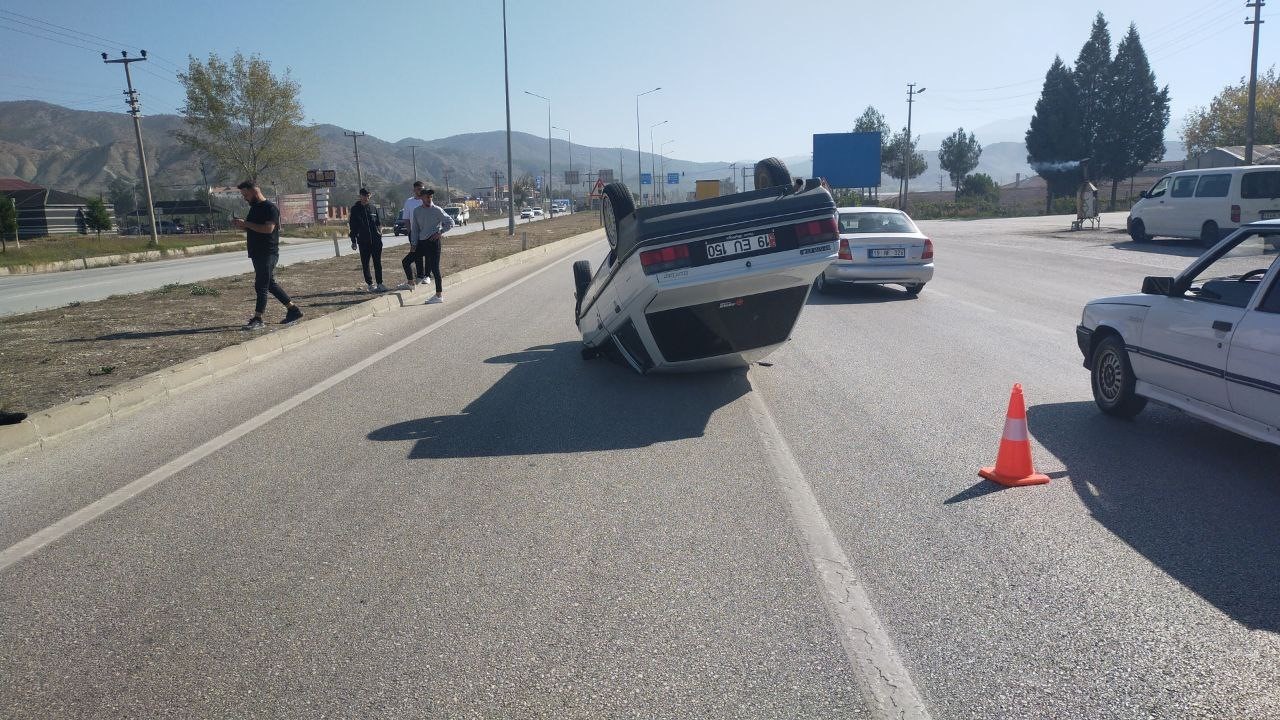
372, 288
422, 281
434, 300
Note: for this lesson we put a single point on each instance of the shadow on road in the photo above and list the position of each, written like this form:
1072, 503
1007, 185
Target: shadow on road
859, 295
154, 334
1201, 503
1179, 247
552, 401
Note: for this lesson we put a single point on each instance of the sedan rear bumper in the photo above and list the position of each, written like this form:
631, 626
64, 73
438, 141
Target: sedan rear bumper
908, 273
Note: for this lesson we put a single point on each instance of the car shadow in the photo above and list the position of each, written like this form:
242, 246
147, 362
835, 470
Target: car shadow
1201, 503
1180, 247
859, 295
552, 401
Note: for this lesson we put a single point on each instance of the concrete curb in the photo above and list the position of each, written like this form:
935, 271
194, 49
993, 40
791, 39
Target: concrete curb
110, 260
49, 427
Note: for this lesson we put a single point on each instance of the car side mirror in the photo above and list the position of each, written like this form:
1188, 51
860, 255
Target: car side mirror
1144, 195
1153, 285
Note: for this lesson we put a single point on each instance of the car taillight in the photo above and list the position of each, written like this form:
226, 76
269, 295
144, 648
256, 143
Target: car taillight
817, 231
663, 259
928, 250
1235, 213
844, 250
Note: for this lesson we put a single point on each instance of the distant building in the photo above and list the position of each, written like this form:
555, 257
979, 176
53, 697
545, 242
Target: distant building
44, 212
1233, 155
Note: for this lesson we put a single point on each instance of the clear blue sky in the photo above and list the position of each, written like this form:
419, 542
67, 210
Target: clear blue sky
740, 78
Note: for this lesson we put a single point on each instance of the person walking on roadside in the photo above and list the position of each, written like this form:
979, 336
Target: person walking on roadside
430, 222
366, 236
262, 235
414, 202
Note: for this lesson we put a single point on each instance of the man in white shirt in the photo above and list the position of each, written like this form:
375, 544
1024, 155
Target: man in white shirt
430, 222
406, 213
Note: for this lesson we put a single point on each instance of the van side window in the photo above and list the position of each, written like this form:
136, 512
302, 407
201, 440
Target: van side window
1158, 189
1213, 186
1260, 185
1184, 186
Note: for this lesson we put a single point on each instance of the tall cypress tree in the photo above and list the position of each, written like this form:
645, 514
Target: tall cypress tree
1132, 132
1093, 82
1054, 141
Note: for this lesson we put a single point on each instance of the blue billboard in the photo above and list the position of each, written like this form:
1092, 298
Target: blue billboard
847, 160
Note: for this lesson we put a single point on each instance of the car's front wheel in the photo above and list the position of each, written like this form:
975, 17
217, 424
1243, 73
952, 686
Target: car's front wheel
1138, 231
820, 285
1112, 378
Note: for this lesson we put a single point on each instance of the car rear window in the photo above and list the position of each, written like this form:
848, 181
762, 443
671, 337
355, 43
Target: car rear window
1258, 185
1184, 186
876, 222
1213, 186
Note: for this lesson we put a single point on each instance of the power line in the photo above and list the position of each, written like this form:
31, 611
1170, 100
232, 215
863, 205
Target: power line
83, 35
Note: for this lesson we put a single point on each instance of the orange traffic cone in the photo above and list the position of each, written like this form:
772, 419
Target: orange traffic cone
1013, 464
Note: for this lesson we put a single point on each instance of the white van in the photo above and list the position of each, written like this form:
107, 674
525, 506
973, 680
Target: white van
1206, 204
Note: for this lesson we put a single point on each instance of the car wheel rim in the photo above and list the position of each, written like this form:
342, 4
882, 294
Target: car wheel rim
609, 229
1110, 377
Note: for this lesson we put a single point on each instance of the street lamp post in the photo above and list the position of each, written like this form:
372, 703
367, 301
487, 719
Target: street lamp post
907, 148
566, 131
548, 188
653, 170
506, 86
662, 153
639, 167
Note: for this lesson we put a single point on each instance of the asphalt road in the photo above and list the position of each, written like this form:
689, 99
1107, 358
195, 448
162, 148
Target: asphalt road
445, 512
25, 293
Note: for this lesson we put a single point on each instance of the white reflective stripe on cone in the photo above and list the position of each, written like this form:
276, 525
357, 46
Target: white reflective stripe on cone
1015, 429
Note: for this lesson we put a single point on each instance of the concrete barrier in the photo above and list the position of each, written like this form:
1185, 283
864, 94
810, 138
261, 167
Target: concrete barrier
50, 426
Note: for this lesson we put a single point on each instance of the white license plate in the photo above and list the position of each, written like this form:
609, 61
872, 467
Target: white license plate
739, 245
887, 253
1270, 214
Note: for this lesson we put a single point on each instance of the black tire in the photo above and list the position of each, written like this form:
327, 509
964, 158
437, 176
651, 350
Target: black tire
590, 353
820, 284
914, 289
616, 205
1210, 234
1111, 377
581, 279
1138, 231
772, 172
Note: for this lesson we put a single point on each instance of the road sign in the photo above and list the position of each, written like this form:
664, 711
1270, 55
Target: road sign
646, 178
599, 188
673, 178
570, 177
606, 175
537, 183
322, 178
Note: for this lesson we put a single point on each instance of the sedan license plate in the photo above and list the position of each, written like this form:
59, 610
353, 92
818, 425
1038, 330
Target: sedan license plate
1270, 214
887, 253
737, 245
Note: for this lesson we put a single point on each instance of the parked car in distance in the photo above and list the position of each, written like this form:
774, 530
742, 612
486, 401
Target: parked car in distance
526, 213
401, 227
460, 214
1206, 204
1206, 342
537, 212
879, 246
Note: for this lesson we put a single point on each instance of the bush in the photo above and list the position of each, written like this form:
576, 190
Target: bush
981, 187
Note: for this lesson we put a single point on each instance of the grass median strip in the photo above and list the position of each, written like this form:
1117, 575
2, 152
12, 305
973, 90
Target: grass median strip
76, 247
51, 356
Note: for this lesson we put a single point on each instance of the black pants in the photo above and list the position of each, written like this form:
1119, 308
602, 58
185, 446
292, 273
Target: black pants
264, 281
371, 250
426, 252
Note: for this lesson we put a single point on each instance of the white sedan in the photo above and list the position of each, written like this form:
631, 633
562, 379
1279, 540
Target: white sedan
879, 246
1206, 342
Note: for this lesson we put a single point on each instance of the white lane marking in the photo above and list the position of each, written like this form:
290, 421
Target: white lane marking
977, 306
79, 518
885, 683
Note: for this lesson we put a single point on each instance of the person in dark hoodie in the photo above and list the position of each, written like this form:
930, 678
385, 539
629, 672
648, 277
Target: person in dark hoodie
262, 233
366, 236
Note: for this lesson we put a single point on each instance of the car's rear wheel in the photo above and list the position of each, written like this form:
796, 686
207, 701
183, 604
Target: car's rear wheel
913, 289
1138, 231
772, 172
1112, 379
1209, 234
581, 279
820, 284
616, 205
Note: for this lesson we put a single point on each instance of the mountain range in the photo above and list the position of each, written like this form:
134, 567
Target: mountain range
82, 151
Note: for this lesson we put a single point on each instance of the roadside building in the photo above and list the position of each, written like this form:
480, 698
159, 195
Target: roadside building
43, 212
1232, 156
185, 214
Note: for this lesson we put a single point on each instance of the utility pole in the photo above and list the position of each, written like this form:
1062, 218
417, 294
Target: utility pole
1256, 22
639, 167
414, 148
447, 197
506, 84
547, 185
135, 109
356, 147
570, 134
909, 149
208, 196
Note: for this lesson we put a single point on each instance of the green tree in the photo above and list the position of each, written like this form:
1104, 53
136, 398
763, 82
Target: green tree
123, 195
523, 188
901, 158
1223, 123
1132, 132
96, 217
1054, 142
979, 186
1093, 85
872, 121
959, 156
8, 221
245, 119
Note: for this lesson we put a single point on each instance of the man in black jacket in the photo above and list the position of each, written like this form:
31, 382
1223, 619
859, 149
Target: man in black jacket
366, 235
262, 233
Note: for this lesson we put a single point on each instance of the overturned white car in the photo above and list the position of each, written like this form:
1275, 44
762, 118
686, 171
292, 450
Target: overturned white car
709, 284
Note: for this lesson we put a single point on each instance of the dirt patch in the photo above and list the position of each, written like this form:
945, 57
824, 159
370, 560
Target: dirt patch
51, 356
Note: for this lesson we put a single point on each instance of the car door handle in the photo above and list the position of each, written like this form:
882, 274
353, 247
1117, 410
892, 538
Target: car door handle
1222, 325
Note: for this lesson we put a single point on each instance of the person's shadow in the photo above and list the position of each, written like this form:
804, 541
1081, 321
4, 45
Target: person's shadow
552, 401
1201, 503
